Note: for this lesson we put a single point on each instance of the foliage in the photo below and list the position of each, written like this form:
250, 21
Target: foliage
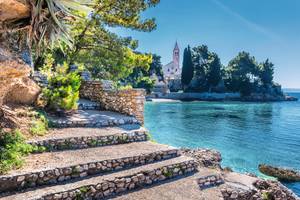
126, 87
187, 67
266, 196
156, 67
266, 72
82, 31
105, 54
62, 92
141, 77
49, 21
39, 124
146, 83
243, 73
200, 56
207, 68
12, 148
213, 71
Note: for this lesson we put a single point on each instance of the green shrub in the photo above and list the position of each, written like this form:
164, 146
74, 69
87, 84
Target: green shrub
146, 83
62, 92
39, 124
12, 149
266, 196
125, 87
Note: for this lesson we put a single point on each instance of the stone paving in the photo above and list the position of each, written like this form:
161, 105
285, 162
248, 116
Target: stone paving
84, 104
91, 118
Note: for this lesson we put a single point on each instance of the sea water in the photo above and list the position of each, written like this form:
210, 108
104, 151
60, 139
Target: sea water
247, 134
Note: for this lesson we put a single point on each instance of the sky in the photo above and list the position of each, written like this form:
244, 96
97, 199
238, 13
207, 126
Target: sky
264, 28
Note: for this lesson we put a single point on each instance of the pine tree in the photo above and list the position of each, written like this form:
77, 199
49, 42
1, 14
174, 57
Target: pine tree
187, 68
213, 70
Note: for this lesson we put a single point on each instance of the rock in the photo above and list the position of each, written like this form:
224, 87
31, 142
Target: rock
285, 175
204, 157
16, 87
290, 98
273, 190
20, 10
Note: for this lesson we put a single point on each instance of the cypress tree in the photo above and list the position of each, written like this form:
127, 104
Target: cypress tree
187, 68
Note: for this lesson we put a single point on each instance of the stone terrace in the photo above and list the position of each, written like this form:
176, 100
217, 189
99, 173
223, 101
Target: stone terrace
96, 154
93, 154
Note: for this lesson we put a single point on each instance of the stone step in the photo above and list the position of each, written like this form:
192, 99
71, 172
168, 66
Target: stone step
209, 181
53, 167
91, 119
84, 104
79, 138
98, 187
185, 188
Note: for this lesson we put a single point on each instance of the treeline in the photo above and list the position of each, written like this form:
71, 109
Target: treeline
202, 71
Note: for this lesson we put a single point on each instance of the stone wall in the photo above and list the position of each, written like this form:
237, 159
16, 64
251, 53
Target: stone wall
115, 185
56, 175
90, 141
210, 181
130, 102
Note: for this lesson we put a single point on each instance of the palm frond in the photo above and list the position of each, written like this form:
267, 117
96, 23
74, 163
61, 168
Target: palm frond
51, 19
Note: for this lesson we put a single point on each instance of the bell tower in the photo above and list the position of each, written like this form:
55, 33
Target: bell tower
176, 57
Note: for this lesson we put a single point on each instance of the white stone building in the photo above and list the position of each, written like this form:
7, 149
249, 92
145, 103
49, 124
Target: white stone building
172, 70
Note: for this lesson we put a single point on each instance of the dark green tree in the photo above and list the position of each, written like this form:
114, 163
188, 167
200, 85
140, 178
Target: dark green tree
207, 68
156, 67
141, 77
187, 68
241, 71
266, 72
200, 55
213, 71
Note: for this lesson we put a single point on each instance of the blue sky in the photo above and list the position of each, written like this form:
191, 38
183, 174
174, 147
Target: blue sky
265, 28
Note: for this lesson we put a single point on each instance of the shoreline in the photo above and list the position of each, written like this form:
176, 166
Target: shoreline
217, 97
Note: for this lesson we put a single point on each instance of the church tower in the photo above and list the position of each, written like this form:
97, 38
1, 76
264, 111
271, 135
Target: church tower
172, 70
176, 57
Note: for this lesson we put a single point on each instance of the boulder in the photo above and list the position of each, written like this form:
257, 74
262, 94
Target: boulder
22, 91
283, 174
15, 85
13, 10
290, 98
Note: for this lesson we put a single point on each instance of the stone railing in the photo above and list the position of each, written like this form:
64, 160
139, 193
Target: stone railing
130, 102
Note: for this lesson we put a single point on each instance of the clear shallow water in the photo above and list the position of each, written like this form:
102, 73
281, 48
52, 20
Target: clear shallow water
246, 134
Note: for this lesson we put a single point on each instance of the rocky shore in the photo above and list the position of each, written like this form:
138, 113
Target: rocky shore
235, 186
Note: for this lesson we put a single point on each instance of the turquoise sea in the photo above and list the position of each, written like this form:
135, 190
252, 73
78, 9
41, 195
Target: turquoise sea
246, 134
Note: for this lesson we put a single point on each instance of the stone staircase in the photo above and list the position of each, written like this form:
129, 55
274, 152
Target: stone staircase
94, 155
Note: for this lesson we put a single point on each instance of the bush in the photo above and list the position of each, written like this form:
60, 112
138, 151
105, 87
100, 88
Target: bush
39, 124
12, 149
62, 92
146, 83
